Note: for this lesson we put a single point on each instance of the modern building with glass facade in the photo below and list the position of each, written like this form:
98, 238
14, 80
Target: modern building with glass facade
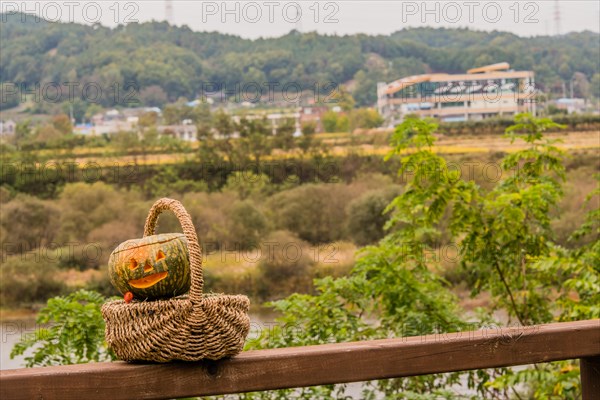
490, 91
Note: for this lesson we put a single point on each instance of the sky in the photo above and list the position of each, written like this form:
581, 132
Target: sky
270, 18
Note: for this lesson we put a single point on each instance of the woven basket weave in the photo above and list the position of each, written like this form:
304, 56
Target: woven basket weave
190, 328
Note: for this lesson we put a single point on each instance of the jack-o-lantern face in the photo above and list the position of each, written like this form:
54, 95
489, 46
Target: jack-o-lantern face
152, 267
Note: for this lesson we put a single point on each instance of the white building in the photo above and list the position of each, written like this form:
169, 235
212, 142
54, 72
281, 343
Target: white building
8, 127
571, 105
185, 131
485, 92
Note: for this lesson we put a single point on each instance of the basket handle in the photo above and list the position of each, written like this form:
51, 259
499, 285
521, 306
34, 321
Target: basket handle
192, 240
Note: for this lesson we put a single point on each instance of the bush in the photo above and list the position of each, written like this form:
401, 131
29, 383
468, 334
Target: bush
366, 118
210, 214
75, 335
100, 283
365, 215
247, 225
308, 128
285, 268
247, 184
167, 183
330, 121
27, 280
30, 222
105, 239
85, 207
316, 213
496, 126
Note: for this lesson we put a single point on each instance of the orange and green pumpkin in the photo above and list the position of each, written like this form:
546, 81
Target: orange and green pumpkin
152, 267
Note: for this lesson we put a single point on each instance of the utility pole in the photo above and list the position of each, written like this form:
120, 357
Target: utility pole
571, 83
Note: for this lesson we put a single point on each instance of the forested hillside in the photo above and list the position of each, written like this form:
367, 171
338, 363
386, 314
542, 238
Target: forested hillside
168, 62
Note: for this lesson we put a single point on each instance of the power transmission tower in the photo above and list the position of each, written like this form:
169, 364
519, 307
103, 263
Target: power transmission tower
169, 11
557, 16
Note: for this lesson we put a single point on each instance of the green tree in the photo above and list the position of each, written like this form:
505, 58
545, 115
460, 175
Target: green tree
330, 121
23, 131
62, 123
366, 118
29, 278
595, 85
511, 225
366, 217
248, 225
223, 124
316, 213
153, 96
125, 142
255, 139
167, 182
344, 99
32, 222
147, 120
247, 184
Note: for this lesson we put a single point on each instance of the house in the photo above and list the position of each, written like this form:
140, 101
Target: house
112, 121
314, 115
570, 105
83, 129
275, 120
8, 127
185, 131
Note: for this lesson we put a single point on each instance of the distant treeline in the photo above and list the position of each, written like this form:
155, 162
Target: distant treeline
155, 63
572, 123
47, 179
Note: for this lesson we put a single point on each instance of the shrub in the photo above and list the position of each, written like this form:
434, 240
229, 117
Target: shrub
316, 213
85, 207
366, 217
366, 118
75, 335
30, 221
247, 184
210, 214
167, 182
285, 267
247, 224
309, 127
100, 282
28, 279
330, 119
108, 236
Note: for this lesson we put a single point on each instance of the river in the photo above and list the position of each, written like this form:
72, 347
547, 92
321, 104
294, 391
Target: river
11, 332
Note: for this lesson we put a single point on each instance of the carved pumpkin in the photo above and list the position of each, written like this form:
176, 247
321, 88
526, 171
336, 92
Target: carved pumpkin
152, 267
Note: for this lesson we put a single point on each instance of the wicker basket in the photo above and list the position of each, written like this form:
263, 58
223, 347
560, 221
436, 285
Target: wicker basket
190, 328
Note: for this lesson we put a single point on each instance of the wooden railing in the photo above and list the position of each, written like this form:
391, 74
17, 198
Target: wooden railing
318, 365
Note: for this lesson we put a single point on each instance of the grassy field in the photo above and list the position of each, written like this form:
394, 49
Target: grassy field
338, 144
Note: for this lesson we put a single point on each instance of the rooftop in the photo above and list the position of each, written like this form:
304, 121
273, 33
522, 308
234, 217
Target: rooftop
488, 72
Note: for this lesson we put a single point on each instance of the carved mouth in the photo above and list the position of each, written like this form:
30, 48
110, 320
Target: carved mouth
148, 281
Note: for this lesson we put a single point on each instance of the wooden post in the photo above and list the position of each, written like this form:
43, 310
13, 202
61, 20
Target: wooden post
590, 378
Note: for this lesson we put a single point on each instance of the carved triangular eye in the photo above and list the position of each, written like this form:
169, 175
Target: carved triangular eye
160, 255
148, 267
133, 264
